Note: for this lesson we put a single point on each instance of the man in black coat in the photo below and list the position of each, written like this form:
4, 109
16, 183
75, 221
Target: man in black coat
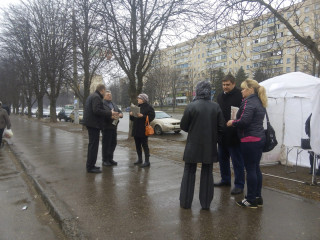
93, 116
109, 131
230, 144
204, 122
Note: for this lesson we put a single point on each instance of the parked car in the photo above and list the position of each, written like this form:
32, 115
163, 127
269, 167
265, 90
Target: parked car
163, 122
58, 109
65, 114
80, 116
45, 113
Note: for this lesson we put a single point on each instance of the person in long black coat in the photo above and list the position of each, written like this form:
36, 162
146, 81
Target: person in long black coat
93, 117
139, 128
204, 122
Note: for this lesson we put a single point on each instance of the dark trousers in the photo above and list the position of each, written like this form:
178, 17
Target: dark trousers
93, 147
188, 182
1, 133
224, 154
251, 153
311, 155
142, 142
109, 143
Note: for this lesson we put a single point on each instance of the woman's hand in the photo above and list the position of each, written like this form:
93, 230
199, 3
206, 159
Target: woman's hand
131, 114
229, 123
140, 115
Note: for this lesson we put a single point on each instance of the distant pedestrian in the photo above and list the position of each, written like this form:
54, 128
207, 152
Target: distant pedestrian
93, 117
203, 121
230, 144
249, 124
139, 128
311, 153
4, 122
109, 131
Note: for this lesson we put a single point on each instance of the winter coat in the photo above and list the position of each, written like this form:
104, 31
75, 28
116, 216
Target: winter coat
94, 112
139, 127
107, 122
204, 122
225, 101
4, 119
250, 118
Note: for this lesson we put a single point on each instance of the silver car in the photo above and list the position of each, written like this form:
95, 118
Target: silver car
165, 123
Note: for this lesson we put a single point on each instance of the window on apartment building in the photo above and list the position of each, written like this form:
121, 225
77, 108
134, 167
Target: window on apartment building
248, 44
306, 19
317, 6
306, 57
289, 14
288, 69
288, 60
202, 54
230, 62
306, 9
306, 29
298, 12
198, 56
248, 66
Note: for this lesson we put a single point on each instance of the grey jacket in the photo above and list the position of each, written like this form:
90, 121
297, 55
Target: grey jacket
4, 119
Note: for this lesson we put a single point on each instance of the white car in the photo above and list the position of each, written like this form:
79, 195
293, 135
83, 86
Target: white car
165, 123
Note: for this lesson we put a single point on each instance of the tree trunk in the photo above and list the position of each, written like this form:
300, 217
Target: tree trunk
40, 107
53, 114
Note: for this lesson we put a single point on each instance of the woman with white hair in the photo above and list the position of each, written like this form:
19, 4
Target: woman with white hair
4, 122
139, 128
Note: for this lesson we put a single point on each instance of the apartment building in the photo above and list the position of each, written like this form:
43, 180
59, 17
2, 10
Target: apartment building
266, 43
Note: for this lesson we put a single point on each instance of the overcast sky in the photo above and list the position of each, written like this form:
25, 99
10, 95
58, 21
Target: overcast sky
5, 3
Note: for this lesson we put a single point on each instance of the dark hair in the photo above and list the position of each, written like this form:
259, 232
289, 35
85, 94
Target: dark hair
100, 87
229, 77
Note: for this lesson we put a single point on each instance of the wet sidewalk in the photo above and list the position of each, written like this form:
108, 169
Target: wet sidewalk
126, 202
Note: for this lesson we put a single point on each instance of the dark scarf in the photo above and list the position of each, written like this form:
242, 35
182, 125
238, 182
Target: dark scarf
203, 91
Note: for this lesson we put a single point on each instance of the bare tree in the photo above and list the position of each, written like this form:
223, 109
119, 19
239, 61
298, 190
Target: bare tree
134, 29
247, 18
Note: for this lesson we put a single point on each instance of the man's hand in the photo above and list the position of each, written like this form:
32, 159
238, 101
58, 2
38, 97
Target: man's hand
140, 115
229, 123
131, 114
115, 115
120, 115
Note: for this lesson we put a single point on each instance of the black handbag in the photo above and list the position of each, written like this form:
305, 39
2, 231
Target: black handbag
271, 140
305, 143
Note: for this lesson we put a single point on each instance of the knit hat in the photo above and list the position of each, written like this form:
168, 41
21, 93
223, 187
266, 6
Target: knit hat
144, 97
203, 90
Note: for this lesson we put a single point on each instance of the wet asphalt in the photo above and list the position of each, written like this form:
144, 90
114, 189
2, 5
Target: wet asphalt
22, 214
126, 202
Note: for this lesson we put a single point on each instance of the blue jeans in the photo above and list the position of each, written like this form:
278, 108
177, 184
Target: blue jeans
251, 153
224, 154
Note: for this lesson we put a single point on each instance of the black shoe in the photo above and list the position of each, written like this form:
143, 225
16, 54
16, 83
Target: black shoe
114, 163
236, 191
107, 164
222, 184
146, 164
139, 161
93, 170
247, 204
259, 201
95, 167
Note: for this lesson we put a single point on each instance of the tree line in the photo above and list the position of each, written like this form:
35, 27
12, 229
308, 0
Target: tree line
50, 45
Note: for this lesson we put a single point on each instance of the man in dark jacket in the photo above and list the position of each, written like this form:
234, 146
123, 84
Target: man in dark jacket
204, 122
93, 117
311, 153
109, 131
230, 144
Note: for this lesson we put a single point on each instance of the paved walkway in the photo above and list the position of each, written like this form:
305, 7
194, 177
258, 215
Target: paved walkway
126, 202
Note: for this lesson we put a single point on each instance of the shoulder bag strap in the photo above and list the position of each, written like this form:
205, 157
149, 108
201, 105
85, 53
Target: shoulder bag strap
147, 120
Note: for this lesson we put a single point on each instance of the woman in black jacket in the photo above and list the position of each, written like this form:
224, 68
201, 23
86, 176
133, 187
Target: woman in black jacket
139, 128
249, 124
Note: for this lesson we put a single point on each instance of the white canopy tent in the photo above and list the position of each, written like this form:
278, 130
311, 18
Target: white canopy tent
292, 98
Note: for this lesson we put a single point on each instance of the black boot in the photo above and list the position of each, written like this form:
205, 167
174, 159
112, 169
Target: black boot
139, 161
146, 163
